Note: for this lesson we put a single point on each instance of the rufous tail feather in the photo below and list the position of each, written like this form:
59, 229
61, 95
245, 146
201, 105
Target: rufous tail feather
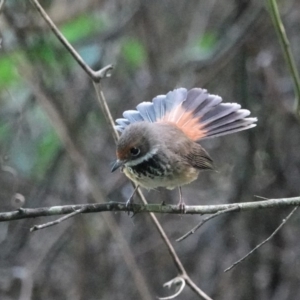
197, 113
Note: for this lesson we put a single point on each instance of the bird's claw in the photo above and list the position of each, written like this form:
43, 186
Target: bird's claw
181, 207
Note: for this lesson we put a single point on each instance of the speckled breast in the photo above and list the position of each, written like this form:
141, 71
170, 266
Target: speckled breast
156, 172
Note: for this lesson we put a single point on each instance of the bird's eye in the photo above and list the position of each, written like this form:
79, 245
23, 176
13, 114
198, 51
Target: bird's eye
135, 151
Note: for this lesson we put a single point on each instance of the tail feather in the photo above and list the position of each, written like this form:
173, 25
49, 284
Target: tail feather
133, 116
222, 110
159, 106
175, 98
215, 122
232, 127
211, 102
196, 112
173, 103
122, 122
194, 99
147, 111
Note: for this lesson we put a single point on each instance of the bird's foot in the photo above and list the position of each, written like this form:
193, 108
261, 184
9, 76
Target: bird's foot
181, 206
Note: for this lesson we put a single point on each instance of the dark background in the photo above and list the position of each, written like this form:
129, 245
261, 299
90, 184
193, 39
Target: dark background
228, 47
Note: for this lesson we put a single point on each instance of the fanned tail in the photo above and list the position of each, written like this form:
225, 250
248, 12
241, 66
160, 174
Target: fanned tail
197, 113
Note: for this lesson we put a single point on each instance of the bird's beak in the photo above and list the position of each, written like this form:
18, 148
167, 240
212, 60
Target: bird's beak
117, 164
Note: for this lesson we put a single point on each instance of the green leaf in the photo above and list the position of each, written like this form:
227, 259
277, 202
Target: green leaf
134, 52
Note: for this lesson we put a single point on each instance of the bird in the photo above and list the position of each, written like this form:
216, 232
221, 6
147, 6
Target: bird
159, 143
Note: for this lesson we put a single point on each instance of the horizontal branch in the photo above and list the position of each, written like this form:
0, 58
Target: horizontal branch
25, 213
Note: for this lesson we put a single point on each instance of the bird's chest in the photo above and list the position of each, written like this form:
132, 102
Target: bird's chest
160, 172
148, 172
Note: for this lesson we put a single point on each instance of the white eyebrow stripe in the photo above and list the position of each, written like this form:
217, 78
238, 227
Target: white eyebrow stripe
141, 159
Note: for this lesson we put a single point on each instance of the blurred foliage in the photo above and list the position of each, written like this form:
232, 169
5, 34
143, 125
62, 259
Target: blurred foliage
207, 42
82, 26
47, 147
8, 76
43, 50
134, 53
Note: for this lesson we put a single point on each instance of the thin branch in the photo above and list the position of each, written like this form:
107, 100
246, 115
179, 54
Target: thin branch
96, 76
64, 218
263, 242
173, 253
285, 44
193, 230
105, 109
25, 213
194, 287
175, 281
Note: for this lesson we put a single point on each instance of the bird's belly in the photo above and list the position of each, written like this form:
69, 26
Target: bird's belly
167, 177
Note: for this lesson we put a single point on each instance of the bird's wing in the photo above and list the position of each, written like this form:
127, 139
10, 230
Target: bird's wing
198, 158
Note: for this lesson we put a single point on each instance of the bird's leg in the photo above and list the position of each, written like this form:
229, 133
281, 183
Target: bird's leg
129, 201
181, 203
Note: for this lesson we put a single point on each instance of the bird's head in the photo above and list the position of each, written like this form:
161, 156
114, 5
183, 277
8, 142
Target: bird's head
135, 145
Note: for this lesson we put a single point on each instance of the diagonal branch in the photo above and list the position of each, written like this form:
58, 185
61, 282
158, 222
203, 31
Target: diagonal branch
96, 76
64, 218
193, 230
263, 242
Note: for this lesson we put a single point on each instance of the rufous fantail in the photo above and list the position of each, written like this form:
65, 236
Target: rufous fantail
159, 145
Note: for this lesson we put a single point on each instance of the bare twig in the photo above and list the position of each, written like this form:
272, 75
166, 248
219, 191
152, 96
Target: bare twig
285, 44
106, 111
95, 75
192, 231
42, 226
174, 255
261, 197
26, 213
263, 242
178, 281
